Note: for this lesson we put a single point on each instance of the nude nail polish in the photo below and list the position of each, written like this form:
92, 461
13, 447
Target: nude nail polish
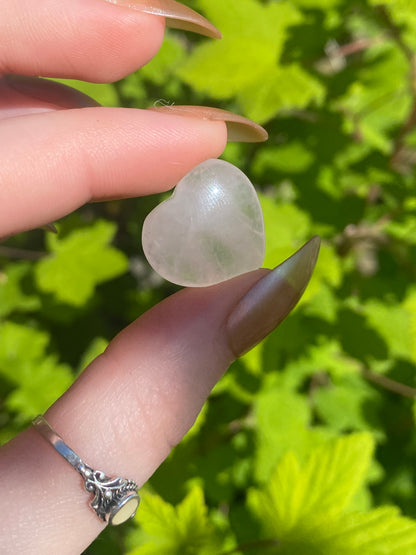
177, 15
51, 228
37, 94
239, 128
271, 299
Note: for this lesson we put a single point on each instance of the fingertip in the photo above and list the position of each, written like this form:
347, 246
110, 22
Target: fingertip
126, 41
90, 40
114, 153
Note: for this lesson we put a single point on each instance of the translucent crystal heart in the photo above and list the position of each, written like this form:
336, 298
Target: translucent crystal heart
211, 228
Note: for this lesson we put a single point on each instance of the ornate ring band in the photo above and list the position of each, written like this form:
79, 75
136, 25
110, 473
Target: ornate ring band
115, 499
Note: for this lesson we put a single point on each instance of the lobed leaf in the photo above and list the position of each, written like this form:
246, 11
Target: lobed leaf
168, 530
79, 262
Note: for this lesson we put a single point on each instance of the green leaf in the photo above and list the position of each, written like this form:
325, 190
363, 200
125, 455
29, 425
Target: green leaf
382, 531
293, 157
12, 296
97, 346
327, 356
245, 63
317, 4
404, 230
168, 530
328, 270
305, 507
403, 14
39, 386
298, 498
165, 63
393, 324
323, 303
104, 93
349, 404
282, 88
37, 379
253, 19
378, 100
410, 306
282, 424
19, 342
285, 227
79, 262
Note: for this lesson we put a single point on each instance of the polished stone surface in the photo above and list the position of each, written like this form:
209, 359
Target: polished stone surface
211, 228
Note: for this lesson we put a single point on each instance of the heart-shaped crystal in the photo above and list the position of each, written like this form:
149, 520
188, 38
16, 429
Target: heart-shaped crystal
211, 228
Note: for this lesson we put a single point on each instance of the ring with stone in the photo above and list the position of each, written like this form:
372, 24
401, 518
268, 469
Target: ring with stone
115, 499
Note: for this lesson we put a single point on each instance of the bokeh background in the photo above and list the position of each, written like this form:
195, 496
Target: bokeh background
307, 445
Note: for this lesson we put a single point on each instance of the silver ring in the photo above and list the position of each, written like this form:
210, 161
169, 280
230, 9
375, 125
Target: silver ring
115, 499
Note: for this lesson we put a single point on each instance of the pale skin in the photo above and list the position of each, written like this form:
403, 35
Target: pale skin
140, 397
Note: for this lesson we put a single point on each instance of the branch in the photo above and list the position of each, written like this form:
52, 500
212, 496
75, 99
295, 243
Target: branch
20, 254
342, 50
390, 385
410, 123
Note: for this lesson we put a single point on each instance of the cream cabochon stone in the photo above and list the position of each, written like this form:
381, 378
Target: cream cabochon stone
210, 229
126, 511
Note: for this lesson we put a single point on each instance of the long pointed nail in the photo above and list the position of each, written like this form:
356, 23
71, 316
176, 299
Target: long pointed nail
239, 128
49, 227
177, 15
271, 299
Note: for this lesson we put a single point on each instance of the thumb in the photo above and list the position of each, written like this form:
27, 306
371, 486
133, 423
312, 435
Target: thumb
136, 401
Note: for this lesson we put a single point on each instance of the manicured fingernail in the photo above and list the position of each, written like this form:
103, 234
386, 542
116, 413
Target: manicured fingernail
49, 227
271, 299
177, 15
239, 129
47, 94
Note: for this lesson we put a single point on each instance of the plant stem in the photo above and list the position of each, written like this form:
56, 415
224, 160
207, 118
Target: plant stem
408, 126
389, 384
21, 254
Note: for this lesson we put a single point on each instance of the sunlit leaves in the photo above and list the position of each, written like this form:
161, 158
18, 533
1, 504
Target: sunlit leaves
393, 323
282, 424
284, 88
12, 294
410, 306
168, 530
35, 377
103, 93
382, 531
379, 98
348, 403
304, 502
79, 262
403, 14
293, 157
250, 69
167, 60
285, 227
272, 425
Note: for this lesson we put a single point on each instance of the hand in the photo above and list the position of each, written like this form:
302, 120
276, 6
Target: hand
59, 150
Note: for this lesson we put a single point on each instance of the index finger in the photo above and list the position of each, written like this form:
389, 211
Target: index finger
57, 161
92, 40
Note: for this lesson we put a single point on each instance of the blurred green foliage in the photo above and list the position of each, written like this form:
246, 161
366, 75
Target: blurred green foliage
307, 445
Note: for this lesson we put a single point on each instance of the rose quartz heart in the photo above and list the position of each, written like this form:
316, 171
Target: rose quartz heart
210, 229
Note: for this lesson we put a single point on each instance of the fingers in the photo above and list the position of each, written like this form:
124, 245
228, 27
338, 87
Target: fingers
20, 95
136, 401
54, 162
94, 40
91, 40
122, 417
